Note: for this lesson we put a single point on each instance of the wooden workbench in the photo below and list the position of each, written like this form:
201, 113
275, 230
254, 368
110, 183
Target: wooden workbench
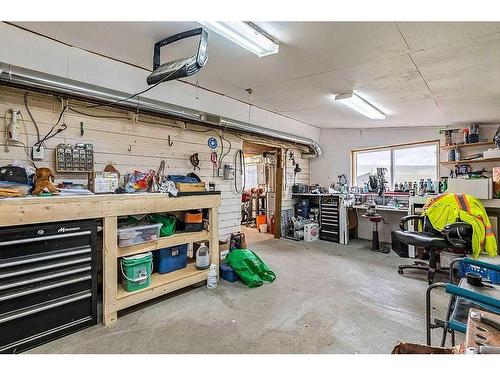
33, 210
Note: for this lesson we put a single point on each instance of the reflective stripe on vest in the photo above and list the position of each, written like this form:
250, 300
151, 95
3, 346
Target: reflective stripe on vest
462, 202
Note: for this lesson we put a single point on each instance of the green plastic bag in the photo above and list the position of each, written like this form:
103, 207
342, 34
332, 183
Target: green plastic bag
249, 267
168, 221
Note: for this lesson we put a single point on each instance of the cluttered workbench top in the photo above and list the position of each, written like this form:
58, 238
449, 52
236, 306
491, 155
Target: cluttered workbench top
36, 209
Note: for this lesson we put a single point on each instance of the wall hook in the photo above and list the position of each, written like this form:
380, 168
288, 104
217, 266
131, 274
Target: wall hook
129, 148
170, 143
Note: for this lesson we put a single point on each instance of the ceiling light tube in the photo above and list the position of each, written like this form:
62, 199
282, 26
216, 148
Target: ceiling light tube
360, 105
245, 35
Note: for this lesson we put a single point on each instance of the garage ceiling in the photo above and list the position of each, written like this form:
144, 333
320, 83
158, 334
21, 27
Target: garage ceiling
419, 74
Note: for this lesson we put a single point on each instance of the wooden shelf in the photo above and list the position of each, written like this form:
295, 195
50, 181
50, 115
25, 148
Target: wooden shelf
463, 145
173, 240
160, 285
473, 161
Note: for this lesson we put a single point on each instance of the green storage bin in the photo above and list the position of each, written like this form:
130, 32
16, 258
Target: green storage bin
136, 271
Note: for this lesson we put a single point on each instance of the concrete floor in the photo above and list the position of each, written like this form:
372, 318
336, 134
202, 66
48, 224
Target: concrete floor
252, 235
327, 298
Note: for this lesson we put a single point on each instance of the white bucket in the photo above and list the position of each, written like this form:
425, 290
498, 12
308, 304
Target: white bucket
263, 228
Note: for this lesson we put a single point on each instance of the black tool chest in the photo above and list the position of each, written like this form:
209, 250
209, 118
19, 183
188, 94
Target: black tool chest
48, 283
329, 219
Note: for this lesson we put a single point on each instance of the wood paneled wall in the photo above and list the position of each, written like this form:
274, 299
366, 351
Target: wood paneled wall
133, 142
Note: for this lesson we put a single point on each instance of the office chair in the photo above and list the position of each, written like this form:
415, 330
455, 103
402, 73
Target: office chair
455, 237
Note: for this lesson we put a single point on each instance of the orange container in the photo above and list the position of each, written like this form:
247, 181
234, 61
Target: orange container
193, 217
260, 219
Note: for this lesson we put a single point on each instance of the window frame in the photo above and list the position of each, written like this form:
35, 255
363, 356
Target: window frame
392, 148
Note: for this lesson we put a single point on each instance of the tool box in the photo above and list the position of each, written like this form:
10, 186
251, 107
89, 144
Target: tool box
227, 273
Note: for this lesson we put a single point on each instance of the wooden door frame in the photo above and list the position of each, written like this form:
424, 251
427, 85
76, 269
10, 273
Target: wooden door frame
278, 203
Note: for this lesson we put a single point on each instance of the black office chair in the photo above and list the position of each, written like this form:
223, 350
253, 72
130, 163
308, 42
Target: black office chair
455, 237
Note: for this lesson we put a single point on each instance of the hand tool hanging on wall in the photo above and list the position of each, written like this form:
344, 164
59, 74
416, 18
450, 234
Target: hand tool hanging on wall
215, 165
195, 161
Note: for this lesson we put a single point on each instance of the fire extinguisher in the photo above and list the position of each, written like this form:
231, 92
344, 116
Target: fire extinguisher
273, 225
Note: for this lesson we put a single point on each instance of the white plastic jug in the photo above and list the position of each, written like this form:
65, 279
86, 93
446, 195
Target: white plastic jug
202, 257
213, 278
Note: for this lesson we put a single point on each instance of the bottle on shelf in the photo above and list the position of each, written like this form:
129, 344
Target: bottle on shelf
202, 257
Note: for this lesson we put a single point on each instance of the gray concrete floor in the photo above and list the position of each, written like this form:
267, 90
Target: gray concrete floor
327, 298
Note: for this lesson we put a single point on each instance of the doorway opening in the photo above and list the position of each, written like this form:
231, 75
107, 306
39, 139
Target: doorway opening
258, 200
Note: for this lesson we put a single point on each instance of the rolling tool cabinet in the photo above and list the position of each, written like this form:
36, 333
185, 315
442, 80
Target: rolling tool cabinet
48, 285
329, 218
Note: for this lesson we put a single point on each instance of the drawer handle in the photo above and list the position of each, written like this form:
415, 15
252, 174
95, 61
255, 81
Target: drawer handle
44, 267
38, 258
41, 288
328, 231
44, 306
44, 238
44, 277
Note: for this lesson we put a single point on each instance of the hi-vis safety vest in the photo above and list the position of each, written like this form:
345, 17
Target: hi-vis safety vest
447, 208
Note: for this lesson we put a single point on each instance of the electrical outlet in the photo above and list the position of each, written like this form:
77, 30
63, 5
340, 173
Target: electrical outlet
37, 153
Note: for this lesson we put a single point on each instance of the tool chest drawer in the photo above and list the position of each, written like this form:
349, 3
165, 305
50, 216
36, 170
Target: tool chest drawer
47, 282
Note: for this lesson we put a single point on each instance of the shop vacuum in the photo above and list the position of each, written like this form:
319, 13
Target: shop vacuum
182, 67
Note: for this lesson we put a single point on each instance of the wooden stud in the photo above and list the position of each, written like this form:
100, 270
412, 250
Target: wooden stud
213, 231
110, 266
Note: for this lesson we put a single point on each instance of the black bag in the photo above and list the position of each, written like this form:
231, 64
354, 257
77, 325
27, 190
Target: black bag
10, 173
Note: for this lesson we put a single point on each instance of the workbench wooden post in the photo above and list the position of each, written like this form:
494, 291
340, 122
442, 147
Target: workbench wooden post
213, 227
110, 266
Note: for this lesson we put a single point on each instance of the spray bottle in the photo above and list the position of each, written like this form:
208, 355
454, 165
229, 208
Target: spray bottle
213, 278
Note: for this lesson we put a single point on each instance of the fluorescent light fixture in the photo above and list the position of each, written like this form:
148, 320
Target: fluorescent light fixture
245, 35
360, 105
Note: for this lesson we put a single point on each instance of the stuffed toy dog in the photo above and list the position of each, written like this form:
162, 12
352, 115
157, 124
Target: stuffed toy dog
43, 181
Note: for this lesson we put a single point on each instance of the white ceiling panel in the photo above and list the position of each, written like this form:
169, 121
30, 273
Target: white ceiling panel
419, 73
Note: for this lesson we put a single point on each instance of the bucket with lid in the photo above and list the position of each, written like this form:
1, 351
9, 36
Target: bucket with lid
136, 271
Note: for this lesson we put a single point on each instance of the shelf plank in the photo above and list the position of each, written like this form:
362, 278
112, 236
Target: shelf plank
464, 145
160, 285
162, 242
473, 161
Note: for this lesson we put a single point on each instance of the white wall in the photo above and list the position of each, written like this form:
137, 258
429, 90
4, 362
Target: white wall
337, 144
28, 50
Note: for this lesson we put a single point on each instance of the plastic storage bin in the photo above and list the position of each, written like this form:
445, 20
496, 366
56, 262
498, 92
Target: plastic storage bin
170, 258
135, 235
227, 273
136, 271
493, 276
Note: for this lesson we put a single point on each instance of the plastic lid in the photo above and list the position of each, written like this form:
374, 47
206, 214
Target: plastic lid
148, 226
138, 256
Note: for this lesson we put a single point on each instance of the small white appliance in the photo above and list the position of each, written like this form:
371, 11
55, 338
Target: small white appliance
481, 188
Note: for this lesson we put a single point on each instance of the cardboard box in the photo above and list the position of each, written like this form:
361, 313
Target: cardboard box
184, 187
103, 182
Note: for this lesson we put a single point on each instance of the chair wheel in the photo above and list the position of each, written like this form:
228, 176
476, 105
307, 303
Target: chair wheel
400, 271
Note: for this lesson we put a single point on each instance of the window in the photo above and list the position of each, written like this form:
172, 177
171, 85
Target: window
403, 163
